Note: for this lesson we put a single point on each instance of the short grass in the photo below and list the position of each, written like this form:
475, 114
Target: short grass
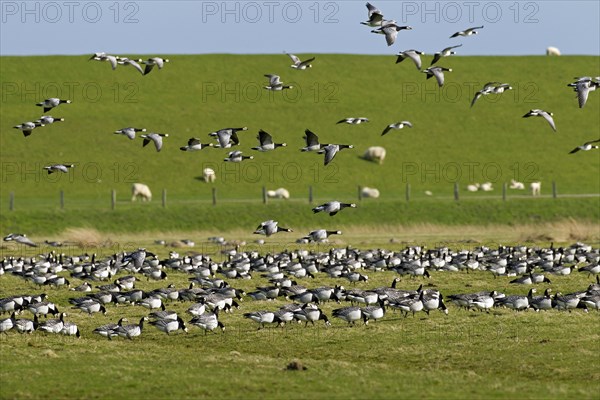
503, 354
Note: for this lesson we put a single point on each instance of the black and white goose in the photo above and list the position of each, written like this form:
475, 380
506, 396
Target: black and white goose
390, 31
375, 16
444, 53
308, 313
320, 235
544, 114
331, 150
236, 156
194, 144
70, 329
542, 302
275, 83
151, 62
157, 138
396, 125
466, 32
208, 322
28, 127
131, 331
48, 120
587, 146
263, 317
266, 142
25, 325
583, 86
129, 132
168, 326
105, 57
332, 207
52, 102
109, 330
438, 72
489, 88
353, 121
374, 312
349, 314
64, 168
269, 228
227, 136
414, 55
19, 238
133, 63
91, 306
7, 324
297, 64
312, 142
53, 325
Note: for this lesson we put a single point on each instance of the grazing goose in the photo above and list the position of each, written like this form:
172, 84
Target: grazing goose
438, 72
397, 125
320, 235
390, 31
489, 88
7, 324
52, 102
130, 331
375, 16
517, 302
275, 83
481, 301
24, 325
541, 302
353, 121
105, 57
409, 304
109, 330
312, 142
48, 120
43, 308
19, 238
444, 53
70, 329
130, 132
227, 136
374, 312
154, 137
414, 55
208, 322
269, 228
592, 268
297, 64
583, 87
53, 325
541, 113
587, 146
133, 63
151, 303
91, 306
28, 127
168, 326
466, 32
151, 62
312, 314
64, 168
349, 314
126, 282
331, 150
263, 317
566, 301
194, 144
236, 156
266, 142
332, 207
197, 309
163, 314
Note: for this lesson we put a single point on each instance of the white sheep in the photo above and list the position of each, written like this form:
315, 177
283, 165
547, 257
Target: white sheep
367, 192
486, 187
280, 193
473, 187
536, 188
516, 185
552, 51
375, 153
208, 175
140, 190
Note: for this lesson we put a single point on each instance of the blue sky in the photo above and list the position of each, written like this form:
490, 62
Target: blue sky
259, 27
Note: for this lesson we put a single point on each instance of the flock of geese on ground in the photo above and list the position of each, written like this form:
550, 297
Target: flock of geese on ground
209, 291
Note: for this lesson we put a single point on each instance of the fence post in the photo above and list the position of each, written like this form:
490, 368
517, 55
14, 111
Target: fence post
407, 191
62, 199
504, 191
264, 195
113, 199
214, 196
456, 191
359, 193
310, 194
554, 191
164, 198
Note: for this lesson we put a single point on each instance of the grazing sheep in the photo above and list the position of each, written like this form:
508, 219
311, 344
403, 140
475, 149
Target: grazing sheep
375, 153
486, 187
516, 185
473, 187
536, 188
369, 192
208, 175
140, 190
552, 51
280, 193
